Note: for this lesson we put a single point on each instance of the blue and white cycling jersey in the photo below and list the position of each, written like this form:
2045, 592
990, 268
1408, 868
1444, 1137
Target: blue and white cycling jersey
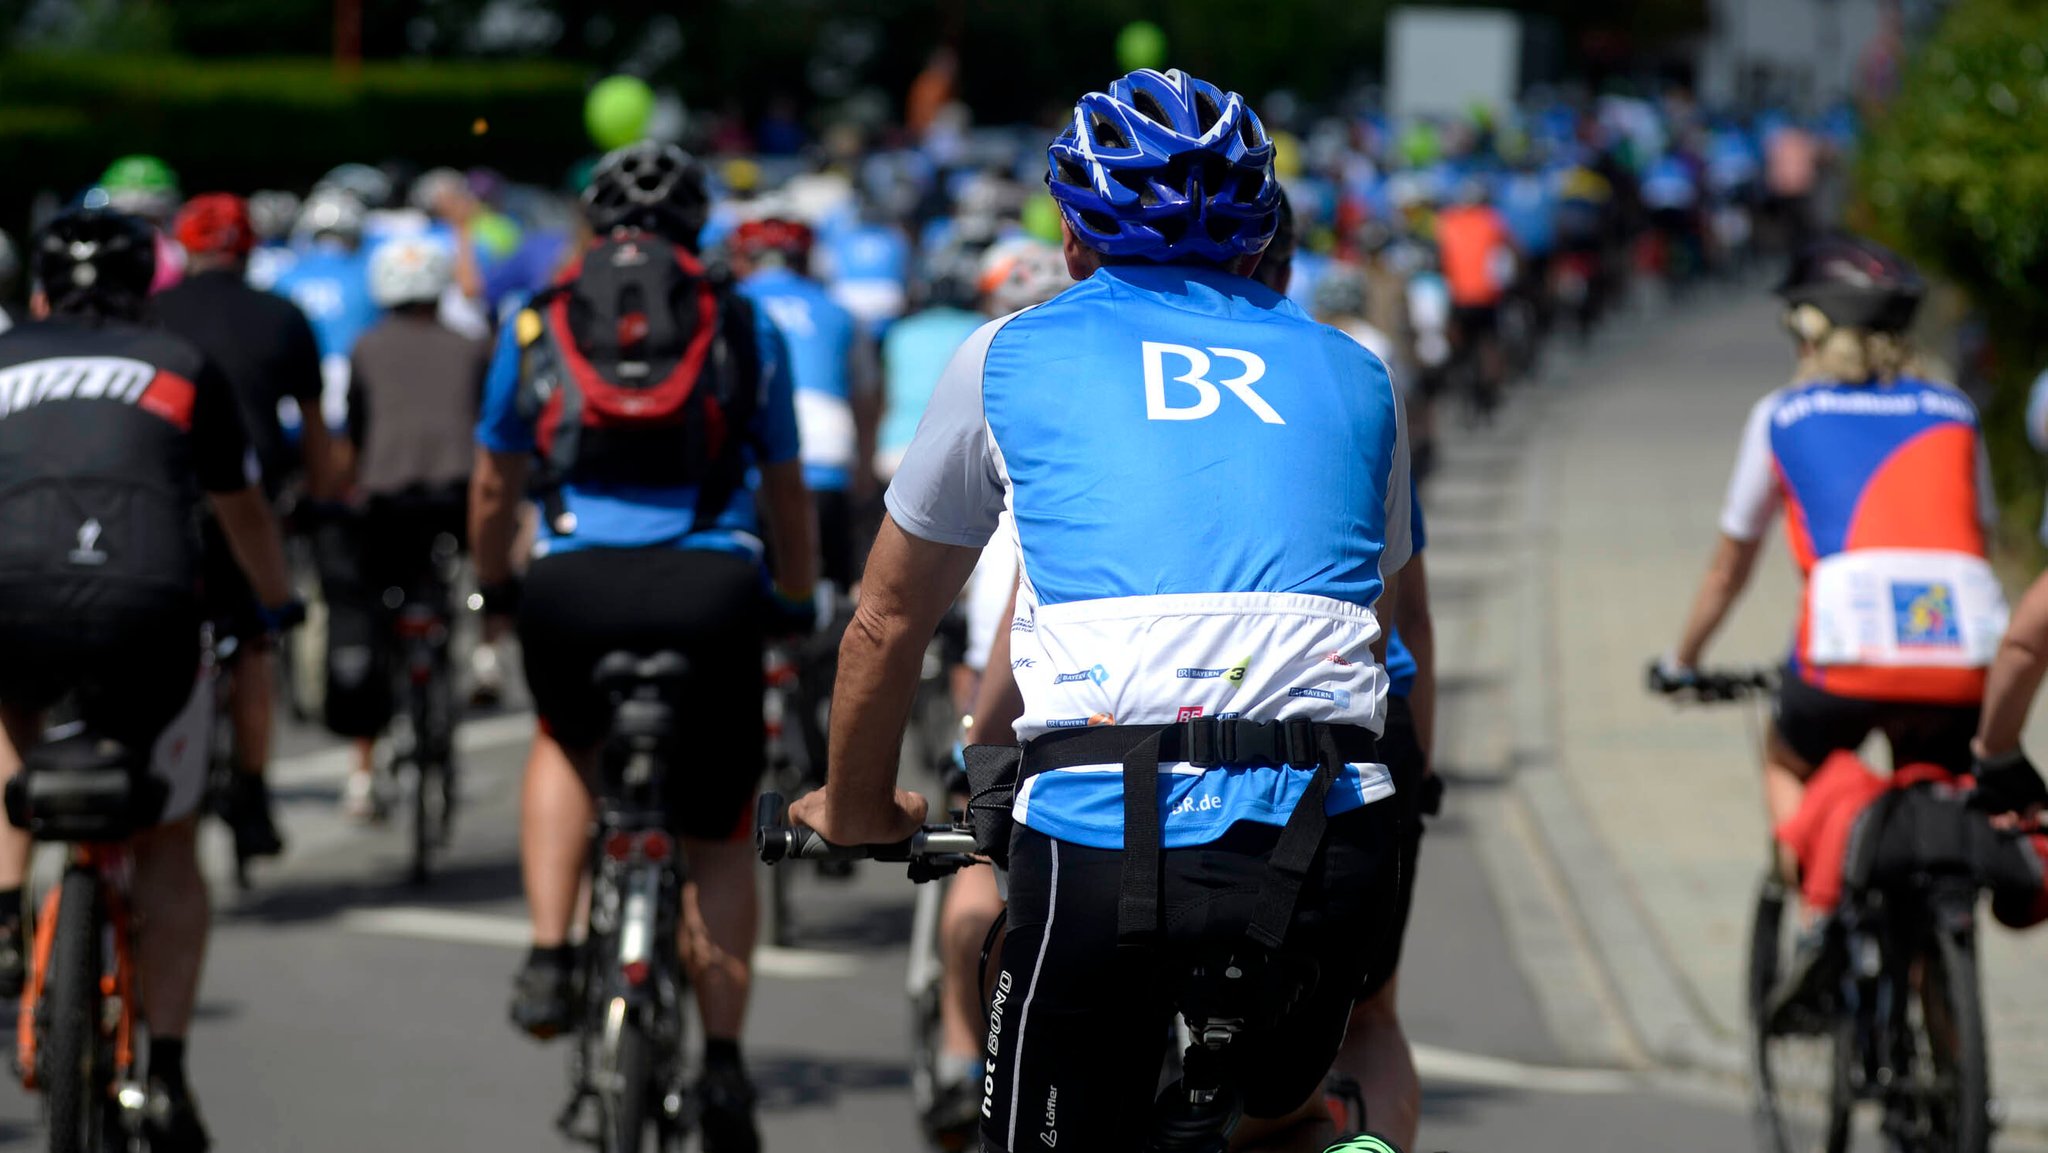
1208, 487
332, 287
820, 336
866, 267
632, 516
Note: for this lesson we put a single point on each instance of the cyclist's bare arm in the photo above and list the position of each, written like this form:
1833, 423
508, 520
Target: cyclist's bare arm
327, 469
1418, 632
908, 587
864, 369
252, 533
496, 485
998, 702
791, 522
1727, 575
2016, 673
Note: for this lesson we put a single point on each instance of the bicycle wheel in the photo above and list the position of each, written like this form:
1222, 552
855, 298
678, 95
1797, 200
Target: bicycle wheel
73, 1067
1800, 1051
626, 1078
1942, 1101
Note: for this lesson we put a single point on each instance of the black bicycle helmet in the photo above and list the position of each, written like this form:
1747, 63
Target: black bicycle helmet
1855, 283
652, 186
96, 258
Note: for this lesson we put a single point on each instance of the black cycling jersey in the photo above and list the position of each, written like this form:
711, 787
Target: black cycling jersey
263, 346
108, 432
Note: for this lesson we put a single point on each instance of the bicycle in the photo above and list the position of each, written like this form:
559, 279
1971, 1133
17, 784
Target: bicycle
1878, 1005
1197, 1111
423, 621
628, 1062
76, 1036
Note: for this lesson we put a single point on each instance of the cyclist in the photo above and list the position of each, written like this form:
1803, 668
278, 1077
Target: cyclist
636, 564
837, 403
1478, 255
109, 432
329, 281
1888, 504
144, 186
414, 387
1133, 619
914, 352
266, 350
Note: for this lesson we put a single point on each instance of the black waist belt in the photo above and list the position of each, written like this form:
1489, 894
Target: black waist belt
1207, 742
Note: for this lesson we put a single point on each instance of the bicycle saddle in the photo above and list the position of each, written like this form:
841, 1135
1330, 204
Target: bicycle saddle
623, 671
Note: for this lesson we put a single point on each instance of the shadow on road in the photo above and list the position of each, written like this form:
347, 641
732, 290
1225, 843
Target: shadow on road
787, 1081
318, 898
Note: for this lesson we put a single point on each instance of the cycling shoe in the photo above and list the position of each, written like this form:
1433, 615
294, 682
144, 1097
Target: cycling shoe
727, 1101
542, 1001
170, 1120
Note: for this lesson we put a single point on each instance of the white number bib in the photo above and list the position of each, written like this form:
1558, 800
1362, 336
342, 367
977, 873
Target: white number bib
1904, 608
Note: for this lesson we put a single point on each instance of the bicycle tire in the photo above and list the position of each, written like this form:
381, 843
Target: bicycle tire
623, 1112
1951, 1028
1787, 1066
73, 1073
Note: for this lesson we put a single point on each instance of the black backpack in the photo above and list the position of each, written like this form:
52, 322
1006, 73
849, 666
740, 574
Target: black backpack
642, 369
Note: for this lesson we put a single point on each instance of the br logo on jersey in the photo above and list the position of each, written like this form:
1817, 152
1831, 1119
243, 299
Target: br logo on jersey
1207, 398
1925, 616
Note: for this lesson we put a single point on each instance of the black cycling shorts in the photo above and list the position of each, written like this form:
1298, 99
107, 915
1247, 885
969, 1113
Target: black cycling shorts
1076, 1040
836, 561
1815, 723
579, 606
1403, 756
130, 665
388, 544
1475, 321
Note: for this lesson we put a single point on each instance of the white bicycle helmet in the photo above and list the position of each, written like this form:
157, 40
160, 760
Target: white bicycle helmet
331, 212
410, 270
1020, 273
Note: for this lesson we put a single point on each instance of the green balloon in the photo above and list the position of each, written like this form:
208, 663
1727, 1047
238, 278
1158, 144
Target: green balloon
1142, 44
1042, 218
617, 110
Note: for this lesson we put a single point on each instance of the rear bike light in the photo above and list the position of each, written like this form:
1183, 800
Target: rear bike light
656, 846
635, 973
618, 847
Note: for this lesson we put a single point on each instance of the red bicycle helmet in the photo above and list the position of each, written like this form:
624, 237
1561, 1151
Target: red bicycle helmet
789, 240
216, 224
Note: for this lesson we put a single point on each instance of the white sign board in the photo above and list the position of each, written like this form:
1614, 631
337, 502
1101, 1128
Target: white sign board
1446, 61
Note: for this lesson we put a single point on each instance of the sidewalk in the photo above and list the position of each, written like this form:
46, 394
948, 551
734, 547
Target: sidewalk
1652, 816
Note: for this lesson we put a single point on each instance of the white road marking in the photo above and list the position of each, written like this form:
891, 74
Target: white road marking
1434, 1064
424, 924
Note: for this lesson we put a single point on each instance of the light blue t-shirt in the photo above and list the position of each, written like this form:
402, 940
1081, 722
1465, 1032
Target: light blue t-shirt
1207, 487
632, 516
820, 337
914, 353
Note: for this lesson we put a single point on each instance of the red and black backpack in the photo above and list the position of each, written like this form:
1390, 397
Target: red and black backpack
644, 370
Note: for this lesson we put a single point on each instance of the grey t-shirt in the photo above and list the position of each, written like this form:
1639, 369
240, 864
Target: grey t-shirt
414, 388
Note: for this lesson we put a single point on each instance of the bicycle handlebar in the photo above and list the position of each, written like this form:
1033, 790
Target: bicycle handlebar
1711, 686
943, 847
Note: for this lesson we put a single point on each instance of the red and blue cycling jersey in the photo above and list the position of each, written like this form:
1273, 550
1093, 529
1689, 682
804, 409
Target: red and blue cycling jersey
1887, 502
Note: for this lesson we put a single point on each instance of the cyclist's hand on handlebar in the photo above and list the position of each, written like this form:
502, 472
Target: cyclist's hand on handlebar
2008, 783
1668, 677
854, 823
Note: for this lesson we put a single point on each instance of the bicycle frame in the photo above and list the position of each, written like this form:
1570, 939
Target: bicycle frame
113, 864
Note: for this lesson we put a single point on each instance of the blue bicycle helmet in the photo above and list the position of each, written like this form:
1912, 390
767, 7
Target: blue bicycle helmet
1166, 167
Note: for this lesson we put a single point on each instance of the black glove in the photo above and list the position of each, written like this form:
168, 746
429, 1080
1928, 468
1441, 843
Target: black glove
501, 598
2008, 783
1667, 679
284, 618
791, 618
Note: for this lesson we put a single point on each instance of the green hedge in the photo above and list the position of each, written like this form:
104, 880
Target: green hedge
1956, 174
251, 123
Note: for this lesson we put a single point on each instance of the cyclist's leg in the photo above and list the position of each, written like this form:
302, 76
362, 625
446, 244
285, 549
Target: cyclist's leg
19, 729
231, 605
1376, 1053
970, 910
1076, 1045
1809, 724
1932, 735
1351, 899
